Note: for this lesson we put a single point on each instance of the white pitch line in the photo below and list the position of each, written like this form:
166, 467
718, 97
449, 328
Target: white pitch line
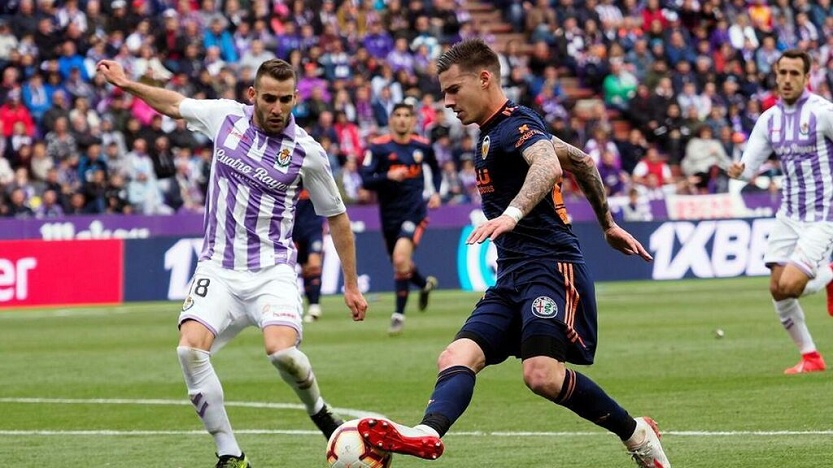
453, 434
346, 411
159, 402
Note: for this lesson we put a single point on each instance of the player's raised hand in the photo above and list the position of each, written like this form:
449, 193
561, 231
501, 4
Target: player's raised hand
113, 72
736, 169
624, 242
434, 201
356, 303
491, 229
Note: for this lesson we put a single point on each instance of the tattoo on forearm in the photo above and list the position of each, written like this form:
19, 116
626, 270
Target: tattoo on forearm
544, 172
588, 178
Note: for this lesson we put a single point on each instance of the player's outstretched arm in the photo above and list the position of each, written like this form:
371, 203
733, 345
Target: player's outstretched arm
587, 176
345, 246
162, 100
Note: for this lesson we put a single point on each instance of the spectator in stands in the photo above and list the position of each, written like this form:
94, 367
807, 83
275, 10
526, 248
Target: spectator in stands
17, 207
619, 86
637, 208
41, 162
652, 175
705, 162
13, 111
50, 206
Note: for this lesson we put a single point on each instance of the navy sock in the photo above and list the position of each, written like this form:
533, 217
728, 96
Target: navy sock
402, 288
416, 278
582, 396
312, 288
452, 395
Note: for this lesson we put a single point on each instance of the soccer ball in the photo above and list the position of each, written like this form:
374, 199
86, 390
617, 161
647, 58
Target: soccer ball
347, 449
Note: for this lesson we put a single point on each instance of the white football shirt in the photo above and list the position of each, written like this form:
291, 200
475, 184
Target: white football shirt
254, 185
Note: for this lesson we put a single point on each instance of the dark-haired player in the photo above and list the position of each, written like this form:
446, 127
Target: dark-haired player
542, 308
392, 167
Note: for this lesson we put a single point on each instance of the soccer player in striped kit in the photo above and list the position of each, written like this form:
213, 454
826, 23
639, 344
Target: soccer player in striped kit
799, 130
246, 271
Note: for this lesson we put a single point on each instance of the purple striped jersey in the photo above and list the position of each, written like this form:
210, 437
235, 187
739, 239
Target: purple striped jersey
801, 136
254, 185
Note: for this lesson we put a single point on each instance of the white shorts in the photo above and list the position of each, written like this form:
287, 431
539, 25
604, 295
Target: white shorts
806, 244
227, 301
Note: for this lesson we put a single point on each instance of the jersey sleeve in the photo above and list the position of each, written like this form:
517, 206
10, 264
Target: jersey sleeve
207, 115
318, 180
524, 132
758, 147
436, 173
372, 170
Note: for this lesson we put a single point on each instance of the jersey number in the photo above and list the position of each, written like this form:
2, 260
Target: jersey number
201, 287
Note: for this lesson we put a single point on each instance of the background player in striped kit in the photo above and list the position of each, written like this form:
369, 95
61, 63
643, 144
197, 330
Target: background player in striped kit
392, 166
799, 130
246, 271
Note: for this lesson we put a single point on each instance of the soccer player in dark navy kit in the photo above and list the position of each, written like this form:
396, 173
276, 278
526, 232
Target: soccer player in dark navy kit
542, 308
308, 235
392, 167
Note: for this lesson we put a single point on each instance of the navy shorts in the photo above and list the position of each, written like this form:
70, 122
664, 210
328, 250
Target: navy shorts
407, 229
308, 241
538, 309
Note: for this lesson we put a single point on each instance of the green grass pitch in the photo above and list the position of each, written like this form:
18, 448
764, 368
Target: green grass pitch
102, 386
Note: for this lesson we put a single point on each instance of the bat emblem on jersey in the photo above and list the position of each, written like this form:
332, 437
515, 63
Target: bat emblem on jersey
417, 156
484, 147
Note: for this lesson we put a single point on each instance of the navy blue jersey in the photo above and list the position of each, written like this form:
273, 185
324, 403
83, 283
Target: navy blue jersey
501, 169
399, 201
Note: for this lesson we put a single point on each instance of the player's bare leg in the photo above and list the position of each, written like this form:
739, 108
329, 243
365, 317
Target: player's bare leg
402, 266
311, 273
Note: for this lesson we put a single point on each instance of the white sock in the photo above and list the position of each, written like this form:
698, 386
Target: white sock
792, 318
823, 276
295, 369
427, 429
206, 393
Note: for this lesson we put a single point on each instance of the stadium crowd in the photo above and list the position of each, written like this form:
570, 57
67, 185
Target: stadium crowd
690, 77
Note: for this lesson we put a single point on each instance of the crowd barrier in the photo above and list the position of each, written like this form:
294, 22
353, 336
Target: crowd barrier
112, 270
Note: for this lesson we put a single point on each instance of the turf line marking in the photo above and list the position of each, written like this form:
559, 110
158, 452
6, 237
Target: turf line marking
355, 413
453, 434
346, 411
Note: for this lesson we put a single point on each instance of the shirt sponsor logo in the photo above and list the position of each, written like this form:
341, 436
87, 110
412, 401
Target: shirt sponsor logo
526, 136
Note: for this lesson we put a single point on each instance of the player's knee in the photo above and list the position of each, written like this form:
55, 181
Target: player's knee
192, 359
193, 334
291, 362
312, 270
543, 378
459, 356
401, 263
785, 289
